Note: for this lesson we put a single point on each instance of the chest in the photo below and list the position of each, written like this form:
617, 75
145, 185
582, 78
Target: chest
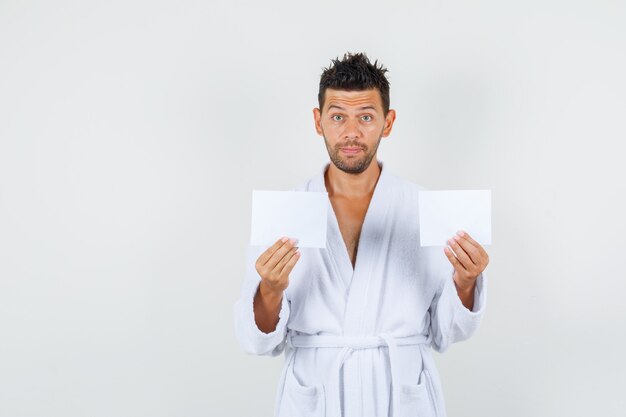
350, 215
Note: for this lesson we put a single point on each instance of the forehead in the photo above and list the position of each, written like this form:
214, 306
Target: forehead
346, 99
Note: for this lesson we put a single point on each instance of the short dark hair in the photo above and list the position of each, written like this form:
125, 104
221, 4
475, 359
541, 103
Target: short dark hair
355, 72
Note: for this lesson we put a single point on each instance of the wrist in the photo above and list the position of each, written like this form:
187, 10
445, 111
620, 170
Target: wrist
269, 294
465, 288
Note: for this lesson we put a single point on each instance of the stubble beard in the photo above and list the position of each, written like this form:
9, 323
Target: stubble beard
351, 164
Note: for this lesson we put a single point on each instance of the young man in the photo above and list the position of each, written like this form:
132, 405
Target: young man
356, 320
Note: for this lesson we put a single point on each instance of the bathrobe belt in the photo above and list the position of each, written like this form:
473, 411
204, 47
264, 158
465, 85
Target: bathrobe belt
349, 344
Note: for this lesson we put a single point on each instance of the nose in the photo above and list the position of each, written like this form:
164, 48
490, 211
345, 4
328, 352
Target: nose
352, 129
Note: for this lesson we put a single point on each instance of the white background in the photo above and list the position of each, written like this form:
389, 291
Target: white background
132, 134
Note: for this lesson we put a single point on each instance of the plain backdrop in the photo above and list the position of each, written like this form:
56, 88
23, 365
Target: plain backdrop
132, 134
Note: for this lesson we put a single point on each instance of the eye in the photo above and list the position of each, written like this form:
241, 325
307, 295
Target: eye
336, 117
367, 118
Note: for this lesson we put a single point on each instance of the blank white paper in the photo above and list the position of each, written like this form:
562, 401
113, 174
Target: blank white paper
443, 213
296, 214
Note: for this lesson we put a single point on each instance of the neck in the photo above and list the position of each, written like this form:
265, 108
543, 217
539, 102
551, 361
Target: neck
351, 185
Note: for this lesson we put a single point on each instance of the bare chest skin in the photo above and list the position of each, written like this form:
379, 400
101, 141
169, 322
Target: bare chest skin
350, 214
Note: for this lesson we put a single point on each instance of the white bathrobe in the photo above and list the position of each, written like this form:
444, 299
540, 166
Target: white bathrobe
357, 341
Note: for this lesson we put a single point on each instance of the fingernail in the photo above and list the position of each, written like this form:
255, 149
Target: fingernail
284, 239
460, 233
457, 238
293, 241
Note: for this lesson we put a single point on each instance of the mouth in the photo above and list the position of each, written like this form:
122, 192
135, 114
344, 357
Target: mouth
351, 151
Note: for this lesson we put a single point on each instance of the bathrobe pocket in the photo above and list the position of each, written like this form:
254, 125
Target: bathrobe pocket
416, 400
299, 400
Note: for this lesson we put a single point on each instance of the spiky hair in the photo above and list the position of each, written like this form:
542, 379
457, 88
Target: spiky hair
354, 72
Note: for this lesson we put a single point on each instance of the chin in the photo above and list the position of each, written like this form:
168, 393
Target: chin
352, 166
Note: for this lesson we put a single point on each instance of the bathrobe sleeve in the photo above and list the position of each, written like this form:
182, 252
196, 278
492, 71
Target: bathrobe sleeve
450, 320
251, 339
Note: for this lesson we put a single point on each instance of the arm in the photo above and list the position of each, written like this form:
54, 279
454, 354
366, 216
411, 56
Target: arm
266, 308
450, 320
260, 316
466, 296
459, 304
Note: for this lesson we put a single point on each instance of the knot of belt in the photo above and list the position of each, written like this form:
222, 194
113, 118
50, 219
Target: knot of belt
349, 344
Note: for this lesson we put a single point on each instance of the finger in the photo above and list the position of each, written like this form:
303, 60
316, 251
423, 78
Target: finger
453, 260
280, 254
265, 256
291, 263
461, 255
281, 264
483, 253
467, 237
469, 248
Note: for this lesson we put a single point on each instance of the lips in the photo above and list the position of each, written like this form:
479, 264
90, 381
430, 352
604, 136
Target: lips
351, 150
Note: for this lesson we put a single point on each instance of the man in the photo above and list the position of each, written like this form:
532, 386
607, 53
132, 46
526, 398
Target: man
356, 319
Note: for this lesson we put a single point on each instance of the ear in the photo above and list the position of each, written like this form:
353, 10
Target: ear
317, 116
389, 119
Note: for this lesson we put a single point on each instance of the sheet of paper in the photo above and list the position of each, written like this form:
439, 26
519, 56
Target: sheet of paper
443, 213
296, 214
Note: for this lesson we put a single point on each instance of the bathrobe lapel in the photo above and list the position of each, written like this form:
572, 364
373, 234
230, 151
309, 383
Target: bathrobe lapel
370, 253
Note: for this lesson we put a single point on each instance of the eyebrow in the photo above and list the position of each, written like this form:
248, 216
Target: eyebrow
370, 107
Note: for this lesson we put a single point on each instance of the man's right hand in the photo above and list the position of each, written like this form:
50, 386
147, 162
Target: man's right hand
274, 266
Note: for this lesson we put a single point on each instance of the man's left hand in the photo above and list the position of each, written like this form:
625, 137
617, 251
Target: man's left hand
470, 260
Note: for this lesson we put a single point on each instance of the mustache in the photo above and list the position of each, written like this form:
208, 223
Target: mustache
351, 145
